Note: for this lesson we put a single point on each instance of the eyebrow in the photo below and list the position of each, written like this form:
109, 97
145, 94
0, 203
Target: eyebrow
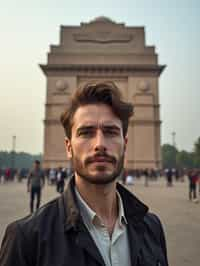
85, 128
111, 127
92, 127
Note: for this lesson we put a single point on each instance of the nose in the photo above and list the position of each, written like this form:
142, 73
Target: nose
100, 141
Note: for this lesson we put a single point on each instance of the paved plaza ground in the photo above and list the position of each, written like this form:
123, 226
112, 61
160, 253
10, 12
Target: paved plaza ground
181, 218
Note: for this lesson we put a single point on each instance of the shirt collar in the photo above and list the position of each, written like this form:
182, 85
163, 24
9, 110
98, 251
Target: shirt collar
89, 216
87, 213
121, 216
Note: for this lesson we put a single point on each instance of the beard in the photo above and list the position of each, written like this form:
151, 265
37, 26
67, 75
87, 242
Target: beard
100, 177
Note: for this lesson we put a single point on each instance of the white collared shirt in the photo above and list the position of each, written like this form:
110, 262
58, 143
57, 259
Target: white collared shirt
115, 249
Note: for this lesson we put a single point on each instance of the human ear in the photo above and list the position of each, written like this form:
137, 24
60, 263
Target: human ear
68, 148
125, 142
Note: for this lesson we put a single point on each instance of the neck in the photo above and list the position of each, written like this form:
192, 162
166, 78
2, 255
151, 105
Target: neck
102, 199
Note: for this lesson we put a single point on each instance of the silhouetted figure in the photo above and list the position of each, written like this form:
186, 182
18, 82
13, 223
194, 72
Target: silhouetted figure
169, 175
146, 177
193, 178
36, 180
52, 176
60, 180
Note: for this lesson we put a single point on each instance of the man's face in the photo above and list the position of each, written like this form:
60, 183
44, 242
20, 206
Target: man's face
36, 166
97, 144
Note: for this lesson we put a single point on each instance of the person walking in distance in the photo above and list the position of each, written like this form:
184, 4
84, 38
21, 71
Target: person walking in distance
193, 179
96, 221
60, 180
35, 183
146, 177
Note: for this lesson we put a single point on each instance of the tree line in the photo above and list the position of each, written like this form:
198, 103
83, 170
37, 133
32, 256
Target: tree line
17, 159
173, 158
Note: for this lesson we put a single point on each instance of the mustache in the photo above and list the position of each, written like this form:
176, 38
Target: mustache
105, 156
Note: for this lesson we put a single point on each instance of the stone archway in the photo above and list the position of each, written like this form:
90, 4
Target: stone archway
104, 49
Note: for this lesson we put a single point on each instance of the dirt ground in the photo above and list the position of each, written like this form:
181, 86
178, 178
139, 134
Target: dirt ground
180, 217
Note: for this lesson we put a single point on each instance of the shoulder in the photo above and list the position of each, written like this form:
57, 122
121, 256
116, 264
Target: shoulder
155, 237
37, 223
153, 223
152, 219
24, 236
154, 230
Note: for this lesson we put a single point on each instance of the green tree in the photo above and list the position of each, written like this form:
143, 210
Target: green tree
197, 153
197, 147
169, 153
184, 159
20, 159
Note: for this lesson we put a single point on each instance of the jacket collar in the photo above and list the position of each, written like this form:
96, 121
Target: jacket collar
134, 209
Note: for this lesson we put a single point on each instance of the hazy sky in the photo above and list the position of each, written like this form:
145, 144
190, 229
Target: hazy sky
27, 28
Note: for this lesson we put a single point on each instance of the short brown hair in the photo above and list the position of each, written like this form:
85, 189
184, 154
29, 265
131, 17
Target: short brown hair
94, 93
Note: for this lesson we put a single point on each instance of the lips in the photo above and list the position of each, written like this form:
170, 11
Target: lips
100, 159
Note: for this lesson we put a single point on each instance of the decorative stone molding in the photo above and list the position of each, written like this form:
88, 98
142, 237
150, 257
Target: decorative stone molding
134, 122
103, 37
51, 122
121, 70
49, 104
61, 87
143, 86
143, 161
146, 105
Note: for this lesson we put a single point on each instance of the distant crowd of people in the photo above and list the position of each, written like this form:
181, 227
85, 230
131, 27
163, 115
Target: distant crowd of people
171, 175
7, 174
57, 177
153, 174
52, 175
36, 178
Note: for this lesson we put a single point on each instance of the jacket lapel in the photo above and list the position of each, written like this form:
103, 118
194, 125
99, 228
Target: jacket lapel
73, 221
135, 234
85, 241
135, 211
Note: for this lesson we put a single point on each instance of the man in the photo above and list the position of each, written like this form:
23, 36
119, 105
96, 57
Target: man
193, 179
35, 183
96, 221
60, 180
169, 176
52, 176
146, 177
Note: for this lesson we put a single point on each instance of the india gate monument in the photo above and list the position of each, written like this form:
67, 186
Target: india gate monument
104, 50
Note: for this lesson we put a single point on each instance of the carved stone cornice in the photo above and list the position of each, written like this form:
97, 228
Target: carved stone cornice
146, 105
103, 37
55, 104
131, 123
134, 122
100, 69
52, 122
55, 160
143, 161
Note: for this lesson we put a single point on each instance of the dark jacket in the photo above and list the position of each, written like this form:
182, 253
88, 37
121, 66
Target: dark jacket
56, 236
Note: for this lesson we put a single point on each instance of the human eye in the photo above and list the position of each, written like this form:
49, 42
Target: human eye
85, 132
111, 131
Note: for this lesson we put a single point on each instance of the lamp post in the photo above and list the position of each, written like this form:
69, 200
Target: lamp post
174, 139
